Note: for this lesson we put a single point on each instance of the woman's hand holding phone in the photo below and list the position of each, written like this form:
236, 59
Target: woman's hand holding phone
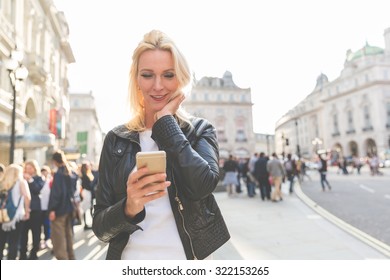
142, 188
148, 182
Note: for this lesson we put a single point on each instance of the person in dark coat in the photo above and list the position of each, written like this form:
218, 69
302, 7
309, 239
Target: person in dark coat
61, 207
262, 177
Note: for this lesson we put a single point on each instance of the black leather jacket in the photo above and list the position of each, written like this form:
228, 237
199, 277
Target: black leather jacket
192, 168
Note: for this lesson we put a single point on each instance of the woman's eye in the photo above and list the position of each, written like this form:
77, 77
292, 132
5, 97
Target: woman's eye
146, 75
169, 75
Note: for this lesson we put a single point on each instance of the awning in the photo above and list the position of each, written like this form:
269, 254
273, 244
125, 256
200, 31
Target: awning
28, 141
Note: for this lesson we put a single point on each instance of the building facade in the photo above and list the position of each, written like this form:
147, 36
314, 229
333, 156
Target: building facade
38, 31
349, 116
229, 108
85, 138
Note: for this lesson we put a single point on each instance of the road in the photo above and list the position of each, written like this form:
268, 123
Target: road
363, 200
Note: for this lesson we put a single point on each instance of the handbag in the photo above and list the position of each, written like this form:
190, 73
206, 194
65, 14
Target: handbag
8, 208
76, 214
4, 218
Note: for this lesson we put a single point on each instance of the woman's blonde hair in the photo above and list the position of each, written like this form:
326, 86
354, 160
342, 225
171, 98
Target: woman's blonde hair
12, 174
156, 40
34, 164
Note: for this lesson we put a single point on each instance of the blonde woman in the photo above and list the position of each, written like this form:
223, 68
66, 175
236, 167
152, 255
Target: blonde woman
32, 174
178, 217
13, 182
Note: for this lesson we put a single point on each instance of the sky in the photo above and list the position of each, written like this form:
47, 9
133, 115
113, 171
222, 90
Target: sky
277, 48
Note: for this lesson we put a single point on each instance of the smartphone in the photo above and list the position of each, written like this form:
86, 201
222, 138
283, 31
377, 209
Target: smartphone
155, 161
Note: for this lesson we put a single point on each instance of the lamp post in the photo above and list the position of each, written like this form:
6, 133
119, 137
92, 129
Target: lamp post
316, 142
17, 73
298, 148
268, 151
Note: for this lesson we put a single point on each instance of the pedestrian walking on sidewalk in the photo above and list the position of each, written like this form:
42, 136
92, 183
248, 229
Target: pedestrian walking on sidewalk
61, 207
230, 180
291, 171
87, 191
32, 174
323, 170
14, 186
262, 177
278, 173
45, 196
168, 215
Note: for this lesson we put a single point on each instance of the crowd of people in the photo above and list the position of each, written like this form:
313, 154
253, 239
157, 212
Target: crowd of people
267, 173
44, 199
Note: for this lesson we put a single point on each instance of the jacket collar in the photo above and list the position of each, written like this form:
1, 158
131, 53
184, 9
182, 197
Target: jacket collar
123, 132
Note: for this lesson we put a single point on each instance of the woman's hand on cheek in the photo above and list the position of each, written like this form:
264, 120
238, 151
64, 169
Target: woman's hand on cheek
171, 107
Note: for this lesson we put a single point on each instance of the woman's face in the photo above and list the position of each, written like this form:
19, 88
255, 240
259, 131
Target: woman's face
156, 79
29, 169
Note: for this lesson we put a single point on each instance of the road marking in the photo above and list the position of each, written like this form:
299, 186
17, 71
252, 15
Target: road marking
313, 217
366, 188
387, 196
93, 252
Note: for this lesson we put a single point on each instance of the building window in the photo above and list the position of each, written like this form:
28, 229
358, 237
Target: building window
240, 132
388, 114
220, 112
240, 136
367, 119
220, 127
350, 125
221, 136
335, 126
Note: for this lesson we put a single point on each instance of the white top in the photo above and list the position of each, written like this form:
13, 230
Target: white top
45, 195
20, 211
159, 238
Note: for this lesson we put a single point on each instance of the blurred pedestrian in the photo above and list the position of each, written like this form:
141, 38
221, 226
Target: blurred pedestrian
262, 176
32, 174
291, 171
61, 208
304, 171
88, 191
231, 169
251, 172
14, 186
45, 196
323, 170
278, 173
2, 169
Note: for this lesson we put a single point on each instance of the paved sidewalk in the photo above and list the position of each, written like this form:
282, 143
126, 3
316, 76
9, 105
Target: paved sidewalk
287, 230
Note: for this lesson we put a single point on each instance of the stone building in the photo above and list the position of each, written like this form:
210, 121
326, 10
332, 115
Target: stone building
229, 108
85, 138
39, 32
349, 116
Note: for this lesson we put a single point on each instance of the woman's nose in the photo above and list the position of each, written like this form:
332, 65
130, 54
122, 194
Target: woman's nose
158, 84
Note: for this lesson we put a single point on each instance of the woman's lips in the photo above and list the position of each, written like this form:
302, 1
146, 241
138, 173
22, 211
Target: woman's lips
158, 97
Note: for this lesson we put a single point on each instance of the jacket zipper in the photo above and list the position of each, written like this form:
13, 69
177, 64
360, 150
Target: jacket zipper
181, 208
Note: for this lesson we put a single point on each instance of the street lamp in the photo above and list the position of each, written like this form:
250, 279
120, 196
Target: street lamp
316, 142
17, 73
298, 148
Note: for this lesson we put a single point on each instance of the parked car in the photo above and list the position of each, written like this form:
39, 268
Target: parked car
312, 165
384, 163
